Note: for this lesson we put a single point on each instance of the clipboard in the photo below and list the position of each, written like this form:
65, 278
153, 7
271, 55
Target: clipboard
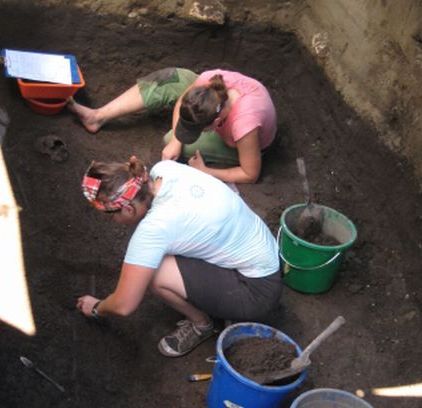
76, 79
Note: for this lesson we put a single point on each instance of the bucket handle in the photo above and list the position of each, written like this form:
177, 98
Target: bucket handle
304, 268
310, 268
211, 359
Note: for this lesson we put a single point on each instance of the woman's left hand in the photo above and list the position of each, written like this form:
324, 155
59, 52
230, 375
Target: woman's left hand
197, 161
85, 304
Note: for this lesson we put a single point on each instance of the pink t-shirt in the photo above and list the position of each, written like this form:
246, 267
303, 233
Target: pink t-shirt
252, 109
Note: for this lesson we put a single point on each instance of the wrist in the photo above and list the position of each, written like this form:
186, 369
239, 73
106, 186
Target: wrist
94, 310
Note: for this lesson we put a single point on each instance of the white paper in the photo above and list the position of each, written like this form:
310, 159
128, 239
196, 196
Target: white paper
38, 67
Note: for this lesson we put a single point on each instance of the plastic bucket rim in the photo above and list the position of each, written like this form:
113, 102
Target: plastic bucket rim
311, 245
37, 102
46, 108
246, 381
306, 394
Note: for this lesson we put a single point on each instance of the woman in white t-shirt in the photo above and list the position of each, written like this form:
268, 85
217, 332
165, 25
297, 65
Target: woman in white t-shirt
197, 246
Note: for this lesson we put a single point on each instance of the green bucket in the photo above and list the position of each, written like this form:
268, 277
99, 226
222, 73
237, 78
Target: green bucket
309, 267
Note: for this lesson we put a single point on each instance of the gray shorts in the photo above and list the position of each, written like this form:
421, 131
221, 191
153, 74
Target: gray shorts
227, 294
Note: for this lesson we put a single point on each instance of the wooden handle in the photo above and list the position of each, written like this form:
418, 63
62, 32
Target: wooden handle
302, 171
334, 326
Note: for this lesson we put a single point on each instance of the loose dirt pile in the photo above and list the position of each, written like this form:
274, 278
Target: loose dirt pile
255, 356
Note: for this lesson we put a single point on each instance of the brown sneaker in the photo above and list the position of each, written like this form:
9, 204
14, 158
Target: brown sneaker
184, 339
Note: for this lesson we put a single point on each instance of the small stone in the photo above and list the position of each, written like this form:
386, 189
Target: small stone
133, 14
360, 393
410, 315
355, 288
320, 44
208, 11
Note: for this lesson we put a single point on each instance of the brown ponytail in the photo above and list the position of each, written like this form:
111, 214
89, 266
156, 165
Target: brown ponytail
218, 85
135, 167
203, 104
113, 175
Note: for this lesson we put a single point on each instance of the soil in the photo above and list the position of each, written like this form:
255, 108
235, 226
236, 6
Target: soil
314, 235
71, 250
254, 357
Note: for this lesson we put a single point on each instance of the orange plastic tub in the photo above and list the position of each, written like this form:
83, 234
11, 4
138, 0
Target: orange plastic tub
45, 90
46, 106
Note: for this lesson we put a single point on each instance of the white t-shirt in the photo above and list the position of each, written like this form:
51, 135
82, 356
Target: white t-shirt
198, 216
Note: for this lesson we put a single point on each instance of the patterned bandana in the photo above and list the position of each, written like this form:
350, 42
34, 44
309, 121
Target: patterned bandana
124, 195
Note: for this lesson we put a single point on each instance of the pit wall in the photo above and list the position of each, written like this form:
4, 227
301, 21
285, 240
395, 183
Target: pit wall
372, 52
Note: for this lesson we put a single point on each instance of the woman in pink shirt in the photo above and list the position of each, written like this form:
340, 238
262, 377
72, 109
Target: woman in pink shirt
222, 120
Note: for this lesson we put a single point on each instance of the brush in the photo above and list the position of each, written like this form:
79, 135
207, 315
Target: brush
199, 377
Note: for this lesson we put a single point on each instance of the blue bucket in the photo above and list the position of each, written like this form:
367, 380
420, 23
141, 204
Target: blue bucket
229, 388
328, 398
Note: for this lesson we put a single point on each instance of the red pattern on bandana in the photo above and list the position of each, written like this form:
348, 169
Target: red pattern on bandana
124, 195
90, 187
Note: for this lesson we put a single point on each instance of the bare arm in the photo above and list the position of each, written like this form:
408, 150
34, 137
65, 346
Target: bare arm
176, 109
173, 149
249, 157
130, 290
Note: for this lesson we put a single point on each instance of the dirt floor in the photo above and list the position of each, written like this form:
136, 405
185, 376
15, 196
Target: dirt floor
71, 250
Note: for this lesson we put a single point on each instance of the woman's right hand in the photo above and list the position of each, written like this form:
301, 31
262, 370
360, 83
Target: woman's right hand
172, 150
85, 304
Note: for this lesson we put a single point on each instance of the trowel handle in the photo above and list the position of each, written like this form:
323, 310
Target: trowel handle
334, 326
43, 374
302, 171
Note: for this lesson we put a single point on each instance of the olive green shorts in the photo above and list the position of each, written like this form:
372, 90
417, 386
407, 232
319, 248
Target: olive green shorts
212, 147
160, 90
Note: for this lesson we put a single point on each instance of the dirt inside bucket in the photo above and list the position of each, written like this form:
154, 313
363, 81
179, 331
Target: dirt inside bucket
321, 239
257, 356
313, 234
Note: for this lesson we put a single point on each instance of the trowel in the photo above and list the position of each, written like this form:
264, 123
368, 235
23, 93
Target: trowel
298, 364
28, 363
310, 220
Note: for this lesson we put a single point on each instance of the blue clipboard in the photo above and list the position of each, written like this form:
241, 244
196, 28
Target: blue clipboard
73, 64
